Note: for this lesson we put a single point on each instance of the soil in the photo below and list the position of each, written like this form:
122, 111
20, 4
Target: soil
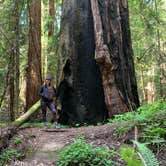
41, 146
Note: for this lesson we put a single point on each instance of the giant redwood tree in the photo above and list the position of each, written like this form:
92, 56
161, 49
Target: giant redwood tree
96, 68
33, 77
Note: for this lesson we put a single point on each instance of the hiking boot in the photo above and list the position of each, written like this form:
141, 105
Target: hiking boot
57, 125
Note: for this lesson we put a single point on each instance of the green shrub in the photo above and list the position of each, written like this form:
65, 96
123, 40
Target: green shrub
150, 119
129, 155
80, 153
18, 140
9, 155
143, 113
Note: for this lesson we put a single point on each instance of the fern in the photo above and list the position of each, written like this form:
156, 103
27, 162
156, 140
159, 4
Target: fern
147, 155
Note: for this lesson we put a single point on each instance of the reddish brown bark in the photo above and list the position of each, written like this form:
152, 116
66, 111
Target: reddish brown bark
33, 81
113, 99
17, 52
51, 15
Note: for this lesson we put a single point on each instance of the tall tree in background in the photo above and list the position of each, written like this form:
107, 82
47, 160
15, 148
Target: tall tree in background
17, 53
82, 81
148, 37
51, 22
33, 76
14, 61
51, 16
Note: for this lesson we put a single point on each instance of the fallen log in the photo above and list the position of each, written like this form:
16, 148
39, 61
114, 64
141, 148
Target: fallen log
7, 133
22, 119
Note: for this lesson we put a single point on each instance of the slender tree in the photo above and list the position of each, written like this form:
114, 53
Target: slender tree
33, 76
14, 61
17, 53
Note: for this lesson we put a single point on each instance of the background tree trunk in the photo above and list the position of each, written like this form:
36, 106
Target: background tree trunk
17, 53
14, 61
81, 90
52, 16
34, 77
11, 85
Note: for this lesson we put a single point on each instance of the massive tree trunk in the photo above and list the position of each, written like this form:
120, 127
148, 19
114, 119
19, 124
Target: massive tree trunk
81, 91
88, 85
34, 78
114, 100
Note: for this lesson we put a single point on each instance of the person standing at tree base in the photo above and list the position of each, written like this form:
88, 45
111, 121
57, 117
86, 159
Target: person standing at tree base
48, 93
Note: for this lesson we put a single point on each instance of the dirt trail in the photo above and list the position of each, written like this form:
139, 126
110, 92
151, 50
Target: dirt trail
48, 142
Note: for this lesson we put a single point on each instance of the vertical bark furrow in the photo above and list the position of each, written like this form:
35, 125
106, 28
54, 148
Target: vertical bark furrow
128, 54
120, 45
94, 30
114, 101
34, 76
83, 99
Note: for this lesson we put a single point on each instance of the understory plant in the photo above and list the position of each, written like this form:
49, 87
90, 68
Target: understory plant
130, 156
146, 155
149, 118
142, 156
9, 155
80, 153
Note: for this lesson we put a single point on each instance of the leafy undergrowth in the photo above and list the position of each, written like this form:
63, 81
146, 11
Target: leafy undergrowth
9, 155
79, 153
153, 111
19, 147
40, 124
151, 124
150, 120
116, 137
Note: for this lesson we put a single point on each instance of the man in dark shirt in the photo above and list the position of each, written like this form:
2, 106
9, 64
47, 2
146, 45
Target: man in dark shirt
47, 93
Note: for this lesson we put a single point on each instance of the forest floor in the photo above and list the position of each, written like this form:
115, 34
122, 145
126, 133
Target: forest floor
42, 145
46, 143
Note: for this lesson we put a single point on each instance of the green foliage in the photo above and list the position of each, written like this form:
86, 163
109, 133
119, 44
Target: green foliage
147, 24
143, 113
150, 119
18, 140
48, 124
154, 134
147, 155
35, 124
80, 153
3, 124
9, 155
123, 129
129, 155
